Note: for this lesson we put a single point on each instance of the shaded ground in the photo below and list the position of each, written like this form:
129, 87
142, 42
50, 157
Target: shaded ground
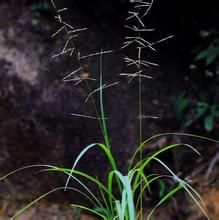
36, 127
173, 210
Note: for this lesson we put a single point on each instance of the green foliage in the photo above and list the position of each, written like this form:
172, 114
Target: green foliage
162, 188
197, 111
37, 9
121, 196
131, 185
209, 54
126, 206
200, 105
181, 104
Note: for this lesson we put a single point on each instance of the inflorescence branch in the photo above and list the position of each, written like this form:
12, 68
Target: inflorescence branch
79, 74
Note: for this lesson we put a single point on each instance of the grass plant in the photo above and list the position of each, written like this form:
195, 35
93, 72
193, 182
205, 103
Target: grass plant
121, 195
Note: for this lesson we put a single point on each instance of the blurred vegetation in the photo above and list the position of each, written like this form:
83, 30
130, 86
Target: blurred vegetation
196, 45
37, 9
200, 103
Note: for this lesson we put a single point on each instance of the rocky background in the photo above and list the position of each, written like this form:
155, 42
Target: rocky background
35, 104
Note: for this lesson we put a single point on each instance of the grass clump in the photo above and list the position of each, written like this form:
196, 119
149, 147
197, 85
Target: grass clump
121, 196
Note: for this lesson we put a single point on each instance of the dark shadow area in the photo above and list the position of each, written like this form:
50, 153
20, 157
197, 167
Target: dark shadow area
36, 105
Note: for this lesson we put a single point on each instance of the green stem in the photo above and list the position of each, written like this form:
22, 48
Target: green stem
102, 112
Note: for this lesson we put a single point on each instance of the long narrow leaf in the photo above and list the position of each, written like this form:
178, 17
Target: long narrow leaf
103, 147
167, 134
43, 196
165, 198
148, 160
88, 209
183, 183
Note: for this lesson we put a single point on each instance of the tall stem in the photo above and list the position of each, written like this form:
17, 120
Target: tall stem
102, 112
140, 114
101, 120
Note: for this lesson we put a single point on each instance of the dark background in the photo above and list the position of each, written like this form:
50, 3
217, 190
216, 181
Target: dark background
35, 125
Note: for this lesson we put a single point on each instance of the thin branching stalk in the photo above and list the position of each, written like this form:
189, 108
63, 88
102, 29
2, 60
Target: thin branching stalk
69, 30
141, 9
108, 205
